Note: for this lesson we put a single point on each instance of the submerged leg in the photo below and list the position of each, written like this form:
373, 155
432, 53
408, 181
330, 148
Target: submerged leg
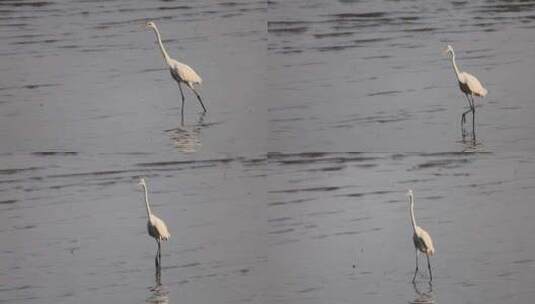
156, 261
463, 117
473, 118
159, 253
429, 267
182, 108
416, 270
198, 96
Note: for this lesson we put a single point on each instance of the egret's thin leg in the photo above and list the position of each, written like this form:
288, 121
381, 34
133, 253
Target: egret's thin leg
473, 118
198, 96
182, 108
429, 267
156, 261
416, 270
158, 277
463, 117
159, 252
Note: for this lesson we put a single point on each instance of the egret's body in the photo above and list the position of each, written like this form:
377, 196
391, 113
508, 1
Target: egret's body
470, 86
156, 227
422, 240
181, 73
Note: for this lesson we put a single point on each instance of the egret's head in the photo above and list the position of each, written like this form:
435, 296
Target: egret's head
150, 24
142, 182
409, 192
448, 50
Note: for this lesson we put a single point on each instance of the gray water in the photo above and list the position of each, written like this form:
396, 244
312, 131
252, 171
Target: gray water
256, 214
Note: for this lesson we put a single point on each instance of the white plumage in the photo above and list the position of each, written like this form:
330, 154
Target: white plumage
184, 72
156, 227
421, 239
470, 86
181, 72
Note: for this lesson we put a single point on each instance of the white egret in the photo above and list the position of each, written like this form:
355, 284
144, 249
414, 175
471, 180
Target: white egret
155, 226
470, 86
422, 240
181, 73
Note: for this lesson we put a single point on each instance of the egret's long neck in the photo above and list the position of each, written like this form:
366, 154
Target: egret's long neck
455, 68
162, 48
147, 200
413, 220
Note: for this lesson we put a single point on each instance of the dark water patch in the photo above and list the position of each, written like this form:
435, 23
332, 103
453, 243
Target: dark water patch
229, 3
290, 30
54, 153
287, 119
7, 202
189, 265
279, 219
335, 47
376, 57
321, 213
384, 93
333, 34
35, 42
370, 15
18, 170
24, 227
347, 233
421, 29
93, 173
525, 261
187, 162
448, 154
311, 189
362, 194
443, 163
506, 274
176, 7
282, 231
327, 169
23, 287
382, 118
320, 236
319, 157
307, 290
370, 40
510, 7
35, 86
279, 155
22, 4
435, 197
296, 201
366, 166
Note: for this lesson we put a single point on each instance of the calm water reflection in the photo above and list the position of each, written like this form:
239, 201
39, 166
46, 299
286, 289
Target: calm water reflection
257, 214
423, 293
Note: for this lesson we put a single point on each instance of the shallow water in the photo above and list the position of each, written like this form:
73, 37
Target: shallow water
370, 75
330, 211
256, 215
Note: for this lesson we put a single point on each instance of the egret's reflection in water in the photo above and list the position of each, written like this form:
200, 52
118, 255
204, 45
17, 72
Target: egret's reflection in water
159, 294
423, 293
187, 138
472, 145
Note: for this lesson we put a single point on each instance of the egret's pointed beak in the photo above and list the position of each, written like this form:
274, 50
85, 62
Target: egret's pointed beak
445, 51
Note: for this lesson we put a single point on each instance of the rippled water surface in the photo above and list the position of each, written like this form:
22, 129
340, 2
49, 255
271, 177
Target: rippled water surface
370, 75
256, 214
